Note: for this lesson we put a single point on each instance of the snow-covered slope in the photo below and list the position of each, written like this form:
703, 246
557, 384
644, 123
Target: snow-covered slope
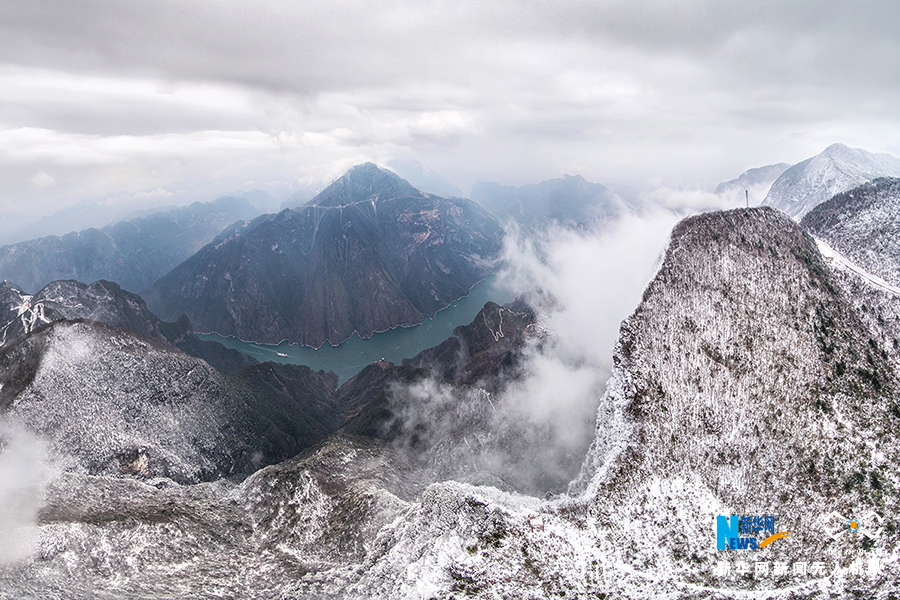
102, 301
863, 225
109, 401
837, 169
106, 302
745, 383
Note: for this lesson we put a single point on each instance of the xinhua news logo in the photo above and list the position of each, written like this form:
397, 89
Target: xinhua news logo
750, 532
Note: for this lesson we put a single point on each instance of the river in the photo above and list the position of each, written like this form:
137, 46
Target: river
394, 345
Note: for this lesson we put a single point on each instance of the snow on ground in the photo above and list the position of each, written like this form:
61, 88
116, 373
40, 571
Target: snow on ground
842, 262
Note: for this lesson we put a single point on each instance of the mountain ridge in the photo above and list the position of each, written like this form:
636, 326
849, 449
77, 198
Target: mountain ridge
836, 169
132, 253
369, 253
106, 302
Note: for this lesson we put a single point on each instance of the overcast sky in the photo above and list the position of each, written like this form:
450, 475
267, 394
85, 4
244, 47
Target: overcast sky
131, 103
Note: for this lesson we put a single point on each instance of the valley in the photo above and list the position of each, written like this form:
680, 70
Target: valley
349, 357
757, 374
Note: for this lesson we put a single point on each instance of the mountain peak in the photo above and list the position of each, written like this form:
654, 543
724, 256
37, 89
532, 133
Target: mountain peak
836, 169
836, 147
364, 182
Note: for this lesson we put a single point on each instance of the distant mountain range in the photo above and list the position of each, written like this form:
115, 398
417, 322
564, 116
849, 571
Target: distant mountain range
132, 253
837, 169
368, 253
569, 200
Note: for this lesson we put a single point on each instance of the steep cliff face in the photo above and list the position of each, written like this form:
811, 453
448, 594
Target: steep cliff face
745, 383
132, 253
837, 169
110, 401
106, 302
367, 254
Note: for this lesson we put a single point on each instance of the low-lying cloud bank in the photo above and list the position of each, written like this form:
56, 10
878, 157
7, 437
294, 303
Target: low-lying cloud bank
23, 475
534, 433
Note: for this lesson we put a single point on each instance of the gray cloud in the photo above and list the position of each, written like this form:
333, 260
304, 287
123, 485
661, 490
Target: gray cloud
643, 93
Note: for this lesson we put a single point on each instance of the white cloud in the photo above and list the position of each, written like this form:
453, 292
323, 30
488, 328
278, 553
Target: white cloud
539, 428
42, 180
23, 474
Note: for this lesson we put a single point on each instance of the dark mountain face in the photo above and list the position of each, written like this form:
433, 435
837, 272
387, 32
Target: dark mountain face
113, 402
106, 302
863, 225
569, 200
367, 254
486, 351
132, 253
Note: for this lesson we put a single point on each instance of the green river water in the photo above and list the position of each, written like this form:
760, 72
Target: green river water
394, 345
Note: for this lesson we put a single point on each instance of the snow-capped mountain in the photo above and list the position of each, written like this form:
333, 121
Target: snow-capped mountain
863, 224
367, 254
745, 384
755, 182
837, 169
